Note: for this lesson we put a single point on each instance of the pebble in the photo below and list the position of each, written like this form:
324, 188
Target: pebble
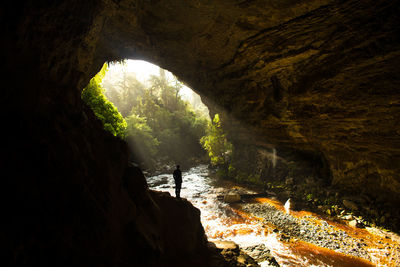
323, 235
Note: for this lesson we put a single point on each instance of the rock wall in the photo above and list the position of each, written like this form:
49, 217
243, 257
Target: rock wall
69, 195
315, 76
326, 83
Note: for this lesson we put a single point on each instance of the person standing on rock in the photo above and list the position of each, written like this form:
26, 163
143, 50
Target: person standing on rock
178, 181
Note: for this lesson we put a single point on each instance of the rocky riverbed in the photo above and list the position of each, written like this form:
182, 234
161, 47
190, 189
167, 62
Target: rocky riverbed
308, 229
273, 236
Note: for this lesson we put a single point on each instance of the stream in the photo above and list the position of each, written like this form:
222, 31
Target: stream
262, 227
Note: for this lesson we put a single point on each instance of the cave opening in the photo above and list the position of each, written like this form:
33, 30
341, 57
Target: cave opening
316, 76
149, 103
161, 119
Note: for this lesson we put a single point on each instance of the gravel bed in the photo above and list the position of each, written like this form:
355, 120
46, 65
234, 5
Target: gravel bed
322, 235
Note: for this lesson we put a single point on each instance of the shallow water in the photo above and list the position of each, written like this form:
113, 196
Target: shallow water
245, 224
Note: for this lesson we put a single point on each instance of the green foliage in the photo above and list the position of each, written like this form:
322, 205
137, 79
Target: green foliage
173, 124
216, 144
93, 96
160, 125
140, 135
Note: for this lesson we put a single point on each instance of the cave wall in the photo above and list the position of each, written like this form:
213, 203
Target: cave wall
327, 82
70, 196
315, 76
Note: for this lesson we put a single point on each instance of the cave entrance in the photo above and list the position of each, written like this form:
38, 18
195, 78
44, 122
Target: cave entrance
162, 127
160, 118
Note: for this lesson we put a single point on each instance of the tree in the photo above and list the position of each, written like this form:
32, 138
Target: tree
216, 144
160, 125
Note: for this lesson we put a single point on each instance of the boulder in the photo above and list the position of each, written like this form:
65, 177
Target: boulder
347, 217
232, 198
356, 223
353, 223
221, 245
233, 255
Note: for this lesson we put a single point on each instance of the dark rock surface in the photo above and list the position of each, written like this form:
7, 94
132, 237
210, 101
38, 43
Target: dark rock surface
234, 256
261, 254
315, 76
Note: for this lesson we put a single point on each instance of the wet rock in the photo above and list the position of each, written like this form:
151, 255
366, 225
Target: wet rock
230, 245
347, 217
233, 255
353, 223
260, 253
270, 262
232, 198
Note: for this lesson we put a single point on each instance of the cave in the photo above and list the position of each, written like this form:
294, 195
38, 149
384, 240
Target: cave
316, 77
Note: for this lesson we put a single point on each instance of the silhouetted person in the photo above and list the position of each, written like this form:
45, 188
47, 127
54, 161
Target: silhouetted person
178, 181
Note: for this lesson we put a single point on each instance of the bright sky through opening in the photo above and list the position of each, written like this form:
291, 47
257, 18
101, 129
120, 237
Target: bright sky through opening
144, 70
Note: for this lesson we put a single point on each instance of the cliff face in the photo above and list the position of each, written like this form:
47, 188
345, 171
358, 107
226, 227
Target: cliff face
319, 77
327, 83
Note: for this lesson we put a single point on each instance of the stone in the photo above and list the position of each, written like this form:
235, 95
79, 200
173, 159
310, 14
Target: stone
232, 198
347, 217
350, 204
356, 223
353, 223
241, 259
230, 245
328, 211
233, 255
